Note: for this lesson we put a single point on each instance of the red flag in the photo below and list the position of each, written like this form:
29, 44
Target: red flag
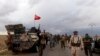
37, 17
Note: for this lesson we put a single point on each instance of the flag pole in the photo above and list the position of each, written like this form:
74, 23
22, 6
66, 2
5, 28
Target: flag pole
34, 17
34, 21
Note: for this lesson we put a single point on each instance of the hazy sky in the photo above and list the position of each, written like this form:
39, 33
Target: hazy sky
57, 16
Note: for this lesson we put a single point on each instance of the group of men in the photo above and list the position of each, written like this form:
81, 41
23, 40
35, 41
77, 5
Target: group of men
76, 43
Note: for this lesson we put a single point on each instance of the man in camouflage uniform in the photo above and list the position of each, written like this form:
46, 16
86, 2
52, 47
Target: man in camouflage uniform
76, 44
42, 44
87, 45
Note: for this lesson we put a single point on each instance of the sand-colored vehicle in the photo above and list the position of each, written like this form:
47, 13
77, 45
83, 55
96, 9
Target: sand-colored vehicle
19, 39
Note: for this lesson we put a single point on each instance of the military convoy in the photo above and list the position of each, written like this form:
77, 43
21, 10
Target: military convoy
20, 40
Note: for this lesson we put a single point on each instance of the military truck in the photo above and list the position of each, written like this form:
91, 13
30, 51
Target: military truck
20, 40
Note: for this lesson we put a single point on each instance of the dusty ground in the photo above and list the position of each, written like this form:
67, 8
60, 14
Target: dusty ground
3, 47
56, 51
2, 42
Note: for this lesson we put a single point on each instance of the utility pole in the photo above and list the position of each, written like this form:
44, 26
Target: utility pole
92, 26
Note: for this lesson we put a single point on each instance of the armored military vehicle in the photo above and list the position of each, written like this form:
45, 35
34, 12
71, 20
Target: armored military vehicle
20, 40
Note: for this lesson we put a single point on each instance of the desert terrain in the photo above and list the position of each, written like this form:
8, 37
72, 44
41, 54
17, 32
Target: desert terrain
3, 47
2, 42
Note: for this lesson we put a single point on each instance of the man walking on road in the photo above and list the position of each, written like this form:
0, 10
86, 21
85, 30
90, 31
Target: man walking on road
87, 45
76, 44
42, 44
63, 41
